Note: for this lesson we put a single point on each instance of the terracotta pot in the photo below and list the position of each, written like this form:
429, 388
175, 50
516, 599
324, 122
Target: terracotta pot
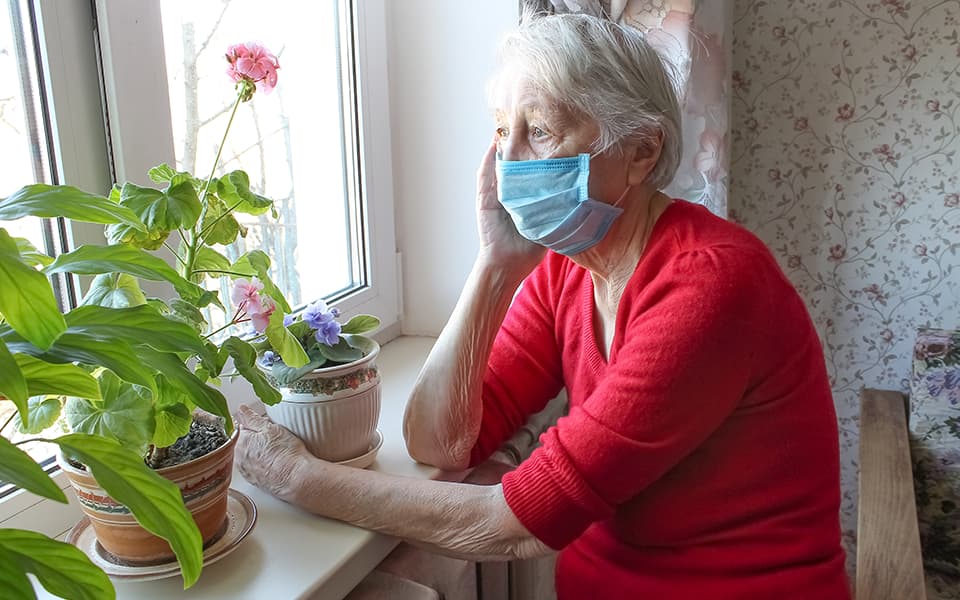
334, 410
203, 482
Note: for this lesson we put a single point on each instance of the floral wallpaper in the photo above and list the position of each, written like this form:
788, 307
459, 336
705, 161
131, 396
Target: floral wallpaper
844, 161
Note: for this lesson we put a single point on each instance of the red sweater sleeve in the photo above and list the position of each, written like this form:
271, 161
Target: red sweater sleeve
523, 372
678, 372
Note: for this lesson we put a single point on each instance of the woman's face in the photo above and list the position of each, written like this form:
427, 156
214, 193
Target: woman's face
530, 126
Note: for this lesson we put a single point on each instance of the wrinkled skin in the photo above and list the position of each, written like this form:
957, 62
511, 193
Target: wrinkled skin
267, 455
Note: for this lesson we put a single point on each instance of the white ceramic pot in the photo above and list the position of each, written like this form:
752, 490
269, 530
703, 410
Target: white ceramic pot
334, 410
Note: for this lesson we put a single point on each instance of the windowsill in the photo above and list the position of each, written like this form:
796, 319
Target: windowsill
291, 553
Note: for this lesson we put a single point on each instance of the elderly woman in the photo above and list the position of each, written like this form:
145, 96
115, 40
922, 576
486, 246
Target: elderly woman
700, 455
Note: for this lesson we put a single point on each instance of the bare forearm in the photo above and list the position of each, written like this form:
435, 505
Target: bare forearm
462, 520
443, 414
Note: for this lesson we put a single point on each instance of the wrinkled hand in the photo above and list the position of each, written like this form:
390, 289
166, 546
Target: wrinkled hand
269, 456
500, 242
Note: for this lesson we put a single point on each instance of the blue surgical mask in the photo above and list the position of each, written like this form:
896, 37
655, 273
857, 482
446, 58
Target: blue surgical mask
547, 200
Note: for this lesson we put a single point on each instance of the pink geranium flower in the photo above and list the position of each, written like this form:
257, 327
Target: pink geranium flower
261, 318
253, 63
246, 295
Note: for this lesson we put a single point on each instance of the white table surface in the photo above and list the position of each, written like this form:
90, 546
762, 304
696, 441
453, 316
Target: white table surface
294, 554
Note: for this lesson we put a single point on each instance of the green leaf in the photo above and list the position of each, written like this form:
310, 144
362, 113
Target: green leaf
234, 189
62, 569
184, 312
244, 359
341, 352
361, 324
44, 412
285, 375
161, 173
49, 201
137, 325
259, 262
56, 379
177, 206
208, 259
29, 253
116, 355
204, 396
285, 343
124, 414
154, 501
27, 301
13, 384
122, 258
15, 585
173, 414
114, 290
18, 468
218, 230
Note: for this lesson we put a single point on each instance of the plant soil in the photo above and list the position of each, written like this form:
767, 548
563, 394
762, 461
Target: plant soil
204, 437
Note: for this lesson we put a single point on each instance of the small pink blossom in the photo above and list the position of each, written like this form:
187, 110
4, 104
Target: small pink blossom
740, 82
800, 124
844, 113
793, 261
253, 63
751, 124
779, 32
909, 52
951, 200
886, 335
875, 294
837, 253
920, 249
246, 294
933, 105
261, 318
828, 212
899, 199
836, 71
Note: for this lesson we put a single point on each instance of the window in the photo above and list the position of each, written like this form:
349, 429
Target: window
41, 85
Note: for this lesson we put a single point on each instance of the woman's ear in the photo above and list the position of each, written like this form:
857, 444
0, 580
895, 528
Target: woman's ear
645, 155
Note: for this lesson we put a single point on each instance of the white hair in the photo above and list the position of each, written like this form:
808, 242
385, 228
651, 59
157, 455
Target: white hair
606, 72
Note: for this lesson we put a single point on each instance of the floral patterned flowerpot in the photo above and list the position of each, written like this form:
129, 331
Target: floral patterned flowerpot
334, 410
203, 482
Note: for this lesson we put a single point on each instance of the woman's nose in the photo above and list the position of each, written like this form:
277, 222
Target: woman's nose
509, 149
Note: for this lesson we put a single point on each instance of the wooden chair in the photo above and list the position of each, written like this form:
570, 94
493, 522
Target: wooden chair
889, 566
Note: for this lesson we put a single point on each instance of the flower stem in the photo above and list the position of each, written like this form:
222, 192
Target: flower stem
170, 248
206, 229
7, 422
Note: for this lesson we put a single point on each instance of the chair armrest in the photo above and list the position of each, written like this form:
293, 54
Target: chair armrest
889, 565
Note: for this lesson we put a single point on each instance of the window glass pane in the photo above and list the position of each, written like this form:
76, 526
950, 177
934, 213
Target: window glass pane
24, 154
294, 143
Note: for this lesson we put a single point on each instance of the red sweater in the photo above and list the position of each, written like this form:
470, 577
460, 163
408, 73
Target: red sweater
701, 460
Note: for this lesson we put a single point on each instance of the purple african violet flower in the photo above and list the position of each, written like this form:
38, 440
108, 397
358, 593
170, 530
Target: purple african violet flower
317, 314
287, 320
328, 333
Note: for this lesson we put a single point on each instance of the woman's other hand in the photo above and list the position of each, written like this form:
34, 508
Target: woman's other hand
500, 243
269, 456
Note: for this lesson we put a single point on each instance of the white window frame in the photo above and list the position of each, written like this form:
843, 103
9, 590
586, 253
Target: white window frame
137, 103
138, 108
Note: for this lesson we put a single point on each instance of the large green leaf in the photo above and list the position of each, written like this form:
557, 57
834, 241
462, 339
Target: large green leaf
123, 414
208, 259
284, 343
27, 301
258, 262
115, 355
114, 290
173, 413
234, 189
154, 501
56, 378
62, 569
285, 375
13, 384
361, 324
14, 584
135, 325
341, 352
204, 396
184, 312
29, 253
122, 258
219, 228
18, 468
244, 359
177, 206
44, 412
48, 201
161, 173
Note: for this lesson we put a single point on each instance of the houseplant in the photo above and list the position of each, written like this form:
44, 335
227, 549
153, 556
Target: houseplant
333, 402
128, 371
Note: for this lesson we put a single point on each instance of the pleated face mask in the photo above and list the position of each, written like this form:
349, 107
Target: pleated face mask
548, 202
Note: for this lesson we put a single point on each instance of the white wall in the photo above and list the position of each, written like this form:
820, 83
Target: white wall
440, 56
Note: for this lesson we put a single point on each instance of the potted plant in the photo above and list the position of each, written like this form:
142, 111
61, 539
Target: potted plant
332, 403
128, 372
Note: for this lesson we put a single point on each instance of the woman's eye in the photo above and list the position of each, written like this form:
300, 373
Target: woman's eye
536, 132
502, 132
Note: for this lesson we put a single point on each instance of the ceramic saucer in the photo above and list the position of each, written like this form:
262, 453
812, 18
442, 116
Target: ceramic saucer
365, 460
241, 517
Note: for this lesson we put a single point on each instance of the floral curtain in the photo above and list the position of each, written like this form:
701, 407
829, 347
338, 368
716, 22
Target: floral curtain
695, 36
